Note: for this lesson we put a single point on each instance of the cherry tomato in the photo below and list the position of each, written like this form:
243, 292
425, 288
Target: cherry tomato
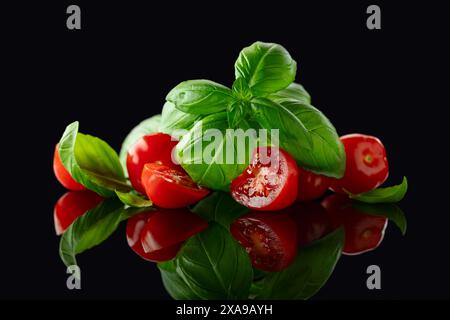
72, 205
63, 175
170, 188
156, 148
366, 165
363, 232
166, 228
312, 221
269, 238
135, 225
270, 181
311, 186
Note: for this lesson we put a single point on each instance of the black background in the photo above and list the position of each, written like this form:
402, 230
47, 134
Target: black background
117, 70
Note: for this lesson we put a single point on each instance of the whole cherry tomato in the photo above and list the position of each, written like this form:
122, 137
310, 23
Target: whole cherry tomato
311, 186
156, 148
63, 175
366, 165
270, 181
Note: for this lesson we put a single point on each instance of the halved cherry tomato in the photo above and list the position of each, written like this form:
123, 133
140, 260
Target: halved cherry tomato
270, 181
63, 175
366, 165
269, 238
72, 205
311, 186
363, 232
170, 188
156, 148
135, 225
166, 228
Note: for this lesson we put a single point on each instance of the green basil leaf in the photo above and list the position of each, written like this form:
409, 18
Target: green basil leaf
173, 119
308, 273
219, 207
150, 125
200, 97
92, 228
241, 91
214, 265
266, 67
174, 284
383, 195
294, 92
134, 199
236, 113
388, 210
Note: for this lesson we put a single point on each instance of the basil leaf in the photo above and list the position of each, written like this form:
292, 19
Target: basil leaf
266, 67
214, 265
219, 207
294, 92
383, 195
241, 91
150, 125
173, 119
92, 228
133, 199
236, 113
388, 210
293, 134
92, 162
308, 273
174, 284
200, 97
215, 173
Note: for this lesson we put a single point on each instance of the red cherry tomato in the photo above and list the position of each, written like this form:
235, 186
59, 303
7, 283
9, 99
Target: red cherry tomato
72, 205
170, 188
311, 186
366, 165
269, 182
63, 175
156, 148
135, 225
269, 238
363, 232
166, 228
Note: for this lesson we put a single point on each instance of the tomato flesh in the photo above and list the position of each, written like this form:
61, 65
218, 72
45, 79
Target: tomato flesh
269, 238
311, 186
269, 183
155, 148
63, 175
170, 188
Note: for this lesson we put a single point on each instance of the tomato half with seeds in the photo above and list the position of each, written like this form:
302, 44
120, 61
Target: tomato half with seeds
270, 181
311, 186
366, 164
156, 148
135, 226
167, 228
170, 188
270, 238
63, 175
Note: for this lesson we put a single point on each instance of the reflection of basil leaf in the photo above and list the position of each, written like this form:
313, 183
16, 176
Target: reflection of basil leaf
173, 119
388, 210
307, 274
295, 92
383, 195
91, 162
133, 199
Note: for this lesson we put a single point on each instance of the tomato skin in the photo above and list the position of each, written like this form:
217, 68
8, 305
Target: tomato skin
63, 175
267, 187
366, 164
170, 188
71, 205
166, 228
363, 232
270, 238
135, 225
155, 147
311, 186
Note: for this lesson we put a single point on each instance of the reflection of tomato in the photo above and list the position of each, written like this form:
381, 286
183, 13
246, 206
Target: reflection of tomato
311, 186
63, 175
270, 239
170, 188
366, 164
72, 205
269, 182
135, 225
155, 147
363, 232
166, 228
312, 221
